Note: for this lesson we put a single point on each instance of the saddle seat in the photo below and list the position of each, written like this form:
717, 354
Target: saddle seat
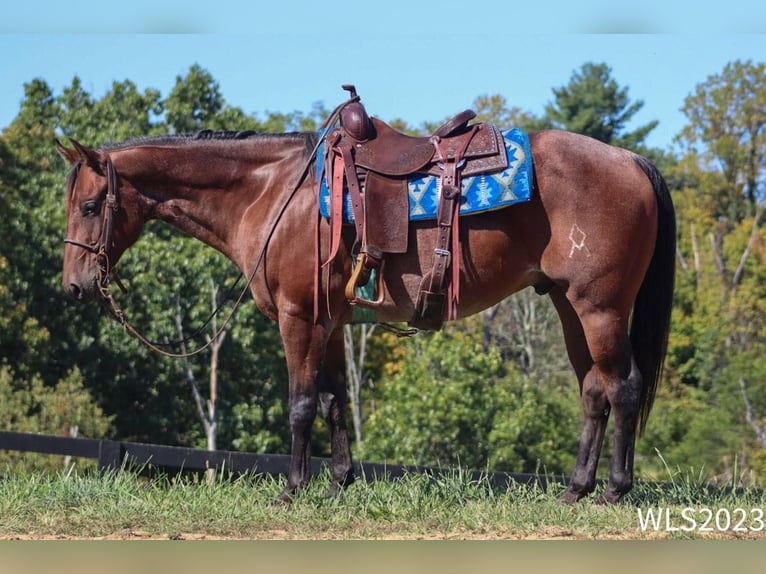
387, 151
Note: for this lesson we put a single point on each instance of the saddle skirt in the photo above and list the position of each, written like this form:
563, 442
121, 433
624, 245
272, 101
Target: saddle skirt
479, 192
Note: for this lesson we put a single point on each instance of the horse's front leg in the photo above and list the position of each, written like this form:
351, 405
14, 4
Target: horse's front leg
333, 401
305, 345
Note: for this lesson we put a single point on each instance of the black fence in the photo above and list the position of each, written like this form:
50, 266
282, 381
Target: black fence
114, 455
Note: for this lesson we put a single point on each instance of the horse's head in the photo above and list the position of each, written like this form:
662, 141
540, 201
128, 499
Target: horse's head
100, 224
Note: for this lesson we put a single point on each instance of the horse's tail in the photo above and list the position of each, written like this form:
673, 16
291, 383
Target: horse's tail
650, 325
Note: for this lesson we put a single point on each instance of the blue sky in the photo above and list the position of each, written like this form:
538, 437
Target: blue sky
286, 56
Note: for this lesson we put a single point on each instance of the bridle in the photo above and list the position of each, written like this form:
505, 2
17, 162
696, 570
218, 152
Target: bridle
105, 272
106, 235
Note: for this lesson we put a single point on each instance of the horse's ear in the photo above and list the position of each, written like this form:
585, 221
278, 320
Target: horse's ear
70, 155
93, 158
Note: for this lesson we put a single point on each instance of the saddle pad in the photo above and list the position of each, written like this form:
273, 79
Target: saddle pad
480, 193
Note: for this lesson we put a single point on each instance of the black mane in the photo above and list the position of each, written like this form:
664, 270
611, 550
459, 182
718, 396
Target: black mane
310, 138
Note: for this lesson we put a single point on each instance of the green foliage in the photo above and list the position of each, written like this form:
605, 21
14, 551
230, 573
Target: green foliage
727, 116
447, 401
22, 337
435, 406
194, 101
494, 108
690, 430
714, 413
538, 431
66, 409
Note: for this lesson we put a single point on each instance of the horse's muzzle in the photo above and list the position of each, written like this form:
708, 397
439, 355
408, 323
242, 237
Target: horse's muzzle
79, 290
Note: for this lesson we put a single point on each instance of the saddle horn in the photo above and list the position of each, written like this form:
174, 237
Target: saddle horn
354, 118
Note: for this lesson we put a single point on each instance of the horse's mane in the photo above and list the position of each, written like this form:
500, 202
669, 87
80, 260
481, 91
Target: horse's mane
309, 138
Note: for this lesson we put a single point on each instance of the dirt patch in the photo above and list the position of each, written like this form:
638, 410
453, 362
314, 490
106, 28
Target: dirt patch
548, 533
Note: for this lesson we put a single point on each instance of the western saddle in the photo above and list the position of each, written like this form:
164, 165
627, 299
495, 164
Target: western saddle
372, 161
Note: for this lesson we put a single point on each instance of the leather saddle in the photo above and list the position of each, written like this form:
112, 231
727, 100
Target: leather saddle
390, 152
373, 161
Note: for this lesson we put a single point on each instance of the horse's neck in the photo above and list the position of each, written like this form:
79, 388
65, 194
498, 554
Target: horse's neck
205, 190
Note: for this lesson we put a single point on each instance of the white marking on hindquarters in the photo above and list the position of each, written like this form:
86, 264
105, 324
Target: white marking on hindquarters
577, 236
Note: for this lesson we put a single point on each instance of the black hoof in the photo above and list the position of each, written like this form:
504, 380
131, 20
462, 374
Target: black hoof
570, 496
284, 499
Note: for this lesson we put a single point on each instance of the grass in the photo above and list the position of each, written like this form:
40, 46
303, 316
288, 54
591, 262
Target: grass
124, 505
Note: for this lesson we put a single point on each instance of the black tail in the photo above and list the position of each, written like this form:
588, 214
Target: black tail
651, 312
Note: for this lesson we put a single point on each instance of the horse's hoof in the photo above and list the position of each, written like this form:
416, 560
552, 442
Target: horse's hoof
570, 496
337, 488
283, 500
608, 498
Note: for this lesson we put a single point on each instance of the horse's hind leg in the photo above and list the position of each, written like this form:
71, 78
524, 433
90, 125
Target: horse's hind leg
333, 402
594, 405
624, 396
595, 418
599, 349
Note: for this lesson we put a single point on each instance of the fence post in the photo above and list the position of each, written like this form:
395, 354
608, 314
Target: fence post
109, 456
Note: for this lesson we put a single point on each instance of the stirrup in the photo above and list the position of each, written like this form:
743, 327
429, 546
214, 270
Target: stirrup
378, 291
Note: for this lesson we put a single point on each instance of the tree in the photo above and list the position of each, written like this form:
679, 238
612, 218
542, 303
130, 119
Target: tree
445, 400
494, 109
23, 340
355, 340
206, 408
66, 409
123, 112
32, 228
196, 103
489, 108
437, 405
594, 104
727, 116
715, 408
194, 100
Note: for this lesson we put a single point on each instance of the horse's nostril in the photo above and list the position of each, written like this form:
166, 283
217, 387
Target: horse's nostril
75, 291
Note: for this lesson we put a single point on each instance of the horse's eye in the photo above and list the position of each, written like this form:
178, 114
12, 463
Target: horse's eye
90, 208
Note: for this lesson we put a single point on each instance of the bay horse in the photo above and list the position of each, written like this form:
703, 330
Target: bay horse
598, 236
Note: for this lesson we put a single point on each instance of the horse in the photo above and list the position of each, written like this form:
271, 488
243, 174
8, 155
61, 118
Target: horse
597, 236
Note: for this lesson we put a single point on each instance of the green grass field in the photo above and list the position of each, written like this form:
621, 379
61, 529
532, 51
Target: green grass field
126, 506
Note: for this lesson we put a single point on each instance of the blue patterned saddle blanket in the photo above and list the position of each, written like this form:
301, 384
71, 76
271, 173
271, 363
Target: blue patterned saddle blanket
482, 192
